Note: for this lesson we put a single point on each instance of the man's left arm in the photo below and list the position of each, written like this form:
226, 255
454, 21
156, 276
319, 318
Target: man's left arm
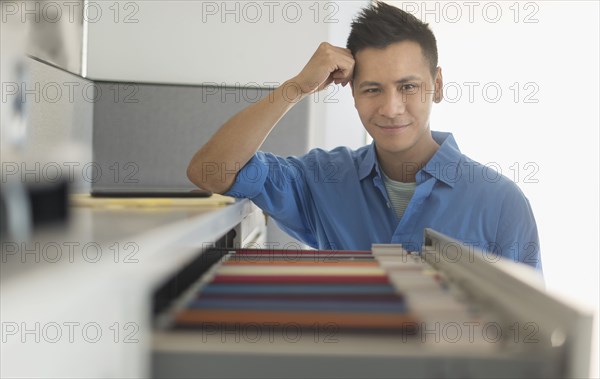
517, 234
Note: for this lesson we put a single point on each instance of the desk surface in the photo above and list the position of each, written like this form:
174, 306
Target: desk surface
99, 270
108, 229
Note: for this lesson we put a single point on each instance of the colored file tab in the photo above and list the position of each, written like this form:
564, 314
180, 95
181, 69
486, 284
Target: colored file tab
301, 252
299, 269
300, 305
308, 279
346, 320
299, 289
304, 297
346, 263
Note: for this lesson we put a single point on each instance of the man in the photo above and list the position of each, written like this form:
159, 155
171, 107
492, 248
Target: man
408, 179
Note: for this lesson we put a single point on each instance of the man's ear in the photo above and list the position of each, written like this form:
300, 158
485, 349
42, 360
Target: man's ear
439, 86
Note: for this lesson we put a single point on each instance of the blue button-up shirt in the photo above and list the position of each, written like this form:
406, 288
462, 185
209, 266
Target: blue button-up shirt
337, 200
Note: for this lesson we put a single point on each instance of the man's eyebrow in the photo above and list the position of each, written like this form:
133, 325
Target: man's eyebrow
401, 81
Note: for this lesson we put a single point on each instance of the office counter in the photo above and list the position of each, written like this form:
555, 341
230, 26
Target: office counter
77, 300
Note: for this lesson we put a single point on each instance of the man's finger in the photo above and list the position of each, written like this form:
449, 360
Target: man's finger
343, 50
347, 71
339, 74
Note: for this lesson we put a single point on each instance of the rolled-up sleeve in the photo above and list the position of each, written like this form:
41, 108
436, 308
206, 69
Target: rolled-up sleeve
249, 181
278, 186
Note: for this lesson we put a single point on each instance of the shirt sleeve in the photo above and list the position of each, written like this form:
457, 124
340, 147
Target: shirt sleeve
517, 236
278, 186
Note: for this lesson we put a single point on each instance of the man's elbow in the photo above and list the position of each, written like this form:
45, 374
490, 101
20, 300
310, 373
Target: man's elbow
202, 179
195, 175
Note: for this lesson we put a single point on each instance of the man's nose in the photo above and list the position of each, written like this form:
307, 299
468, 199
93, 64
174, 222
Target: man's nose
392, 105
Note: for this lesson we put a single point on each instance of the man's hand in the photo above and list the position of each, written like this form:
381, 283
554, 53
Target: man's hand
329, 64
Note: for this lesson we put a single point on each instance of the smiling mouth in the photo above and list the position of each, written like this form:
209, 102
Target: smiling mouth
395, 126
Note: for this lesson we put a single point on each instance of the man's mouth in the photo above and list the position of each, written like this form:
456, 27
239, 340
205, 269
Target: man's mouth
394, 126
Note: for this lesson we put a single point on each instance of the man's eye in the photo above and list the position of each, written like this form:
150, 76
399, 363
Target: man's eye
409, 87
372, 90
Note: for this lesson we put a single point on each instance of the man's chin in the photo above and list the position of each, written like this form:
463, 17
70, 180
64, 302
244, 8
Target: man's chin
389, 147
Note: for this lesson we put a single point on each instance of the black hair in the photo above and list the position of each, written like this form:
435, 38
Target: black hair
380, 25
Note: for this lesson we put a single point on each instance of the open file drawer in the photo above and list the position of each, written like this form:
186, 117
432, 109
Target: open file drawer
465, 316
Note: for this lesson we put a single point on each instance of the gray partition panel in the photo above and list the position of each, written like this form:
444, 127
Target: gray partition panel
59, 125
146, 134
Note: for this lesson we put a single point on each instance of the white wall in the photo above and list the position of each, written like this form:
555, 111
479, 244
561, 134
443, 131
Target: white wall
344, 127
553, 139
195, 42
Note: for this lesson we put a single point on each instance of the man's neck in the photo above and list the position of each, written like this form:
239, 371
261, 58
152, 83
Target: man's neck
403, 166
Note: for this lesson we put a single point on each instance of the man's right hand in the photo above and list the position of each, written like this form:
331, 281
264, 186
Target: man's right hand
329, 64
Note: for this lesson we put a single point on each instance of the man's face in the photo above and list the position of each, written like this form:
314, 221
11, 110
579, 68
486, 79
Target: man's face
393, 92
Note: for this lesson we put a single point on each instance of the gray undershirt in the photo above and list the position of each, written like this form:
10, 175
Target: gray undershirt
399, 193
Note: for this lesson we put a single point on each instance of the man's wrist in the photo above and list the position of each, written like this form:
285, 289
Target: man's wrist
291, 90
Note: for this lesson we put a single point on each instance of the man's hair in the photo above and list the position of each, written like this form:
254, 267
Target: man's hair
380, 25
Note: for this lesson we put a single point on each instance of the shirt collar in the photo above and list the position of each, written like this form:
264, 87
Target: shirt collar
369, 162
443, 165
